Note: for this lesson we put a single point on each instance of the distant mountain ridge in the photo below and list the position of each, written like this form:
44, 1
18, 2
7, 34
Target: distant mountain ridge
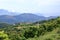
21, 18
6, 12
25, 17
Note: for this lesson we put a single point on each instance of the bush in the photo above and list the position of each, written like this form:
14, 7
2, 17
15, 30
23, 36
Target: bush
3, 36
48, 39
30, 33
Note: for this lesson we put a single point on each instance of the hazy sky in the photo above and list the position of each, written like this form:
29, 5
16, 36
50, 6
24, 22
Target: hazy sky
45, 7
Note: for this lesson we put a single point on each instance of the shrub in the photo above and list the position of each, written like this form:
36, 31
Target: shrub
3, 36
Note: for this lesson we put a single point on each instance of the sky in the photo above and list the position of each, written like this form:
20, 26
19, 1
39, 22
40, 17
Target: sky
44, 7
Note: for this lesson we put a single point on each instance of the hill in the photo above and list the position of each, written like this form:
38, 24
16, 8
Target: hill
25, 17
21, 18
13, 17
45, 30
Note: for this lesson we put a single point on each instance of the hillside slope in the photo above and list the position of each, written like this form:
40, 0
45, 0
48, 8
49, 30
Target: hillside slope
45, 30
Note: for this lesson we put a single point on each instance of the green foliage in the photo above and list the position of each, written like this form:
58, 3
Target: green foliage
31, 32
44, 30
3, 36
48, 39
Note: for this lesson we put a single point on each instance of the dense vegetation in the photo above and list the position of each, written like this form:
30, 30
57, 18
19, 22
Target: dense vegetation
43, 30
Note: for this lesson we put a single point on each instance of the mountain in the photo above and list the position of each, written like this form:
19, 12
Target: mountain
5, 12
7, 17
26, 17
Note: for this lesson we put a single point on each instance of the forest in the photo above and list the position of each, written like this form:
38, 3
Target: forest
41, 30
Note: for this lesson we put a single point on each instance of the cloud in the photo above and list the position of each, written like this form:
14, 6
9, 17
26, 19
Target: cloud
46, 7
